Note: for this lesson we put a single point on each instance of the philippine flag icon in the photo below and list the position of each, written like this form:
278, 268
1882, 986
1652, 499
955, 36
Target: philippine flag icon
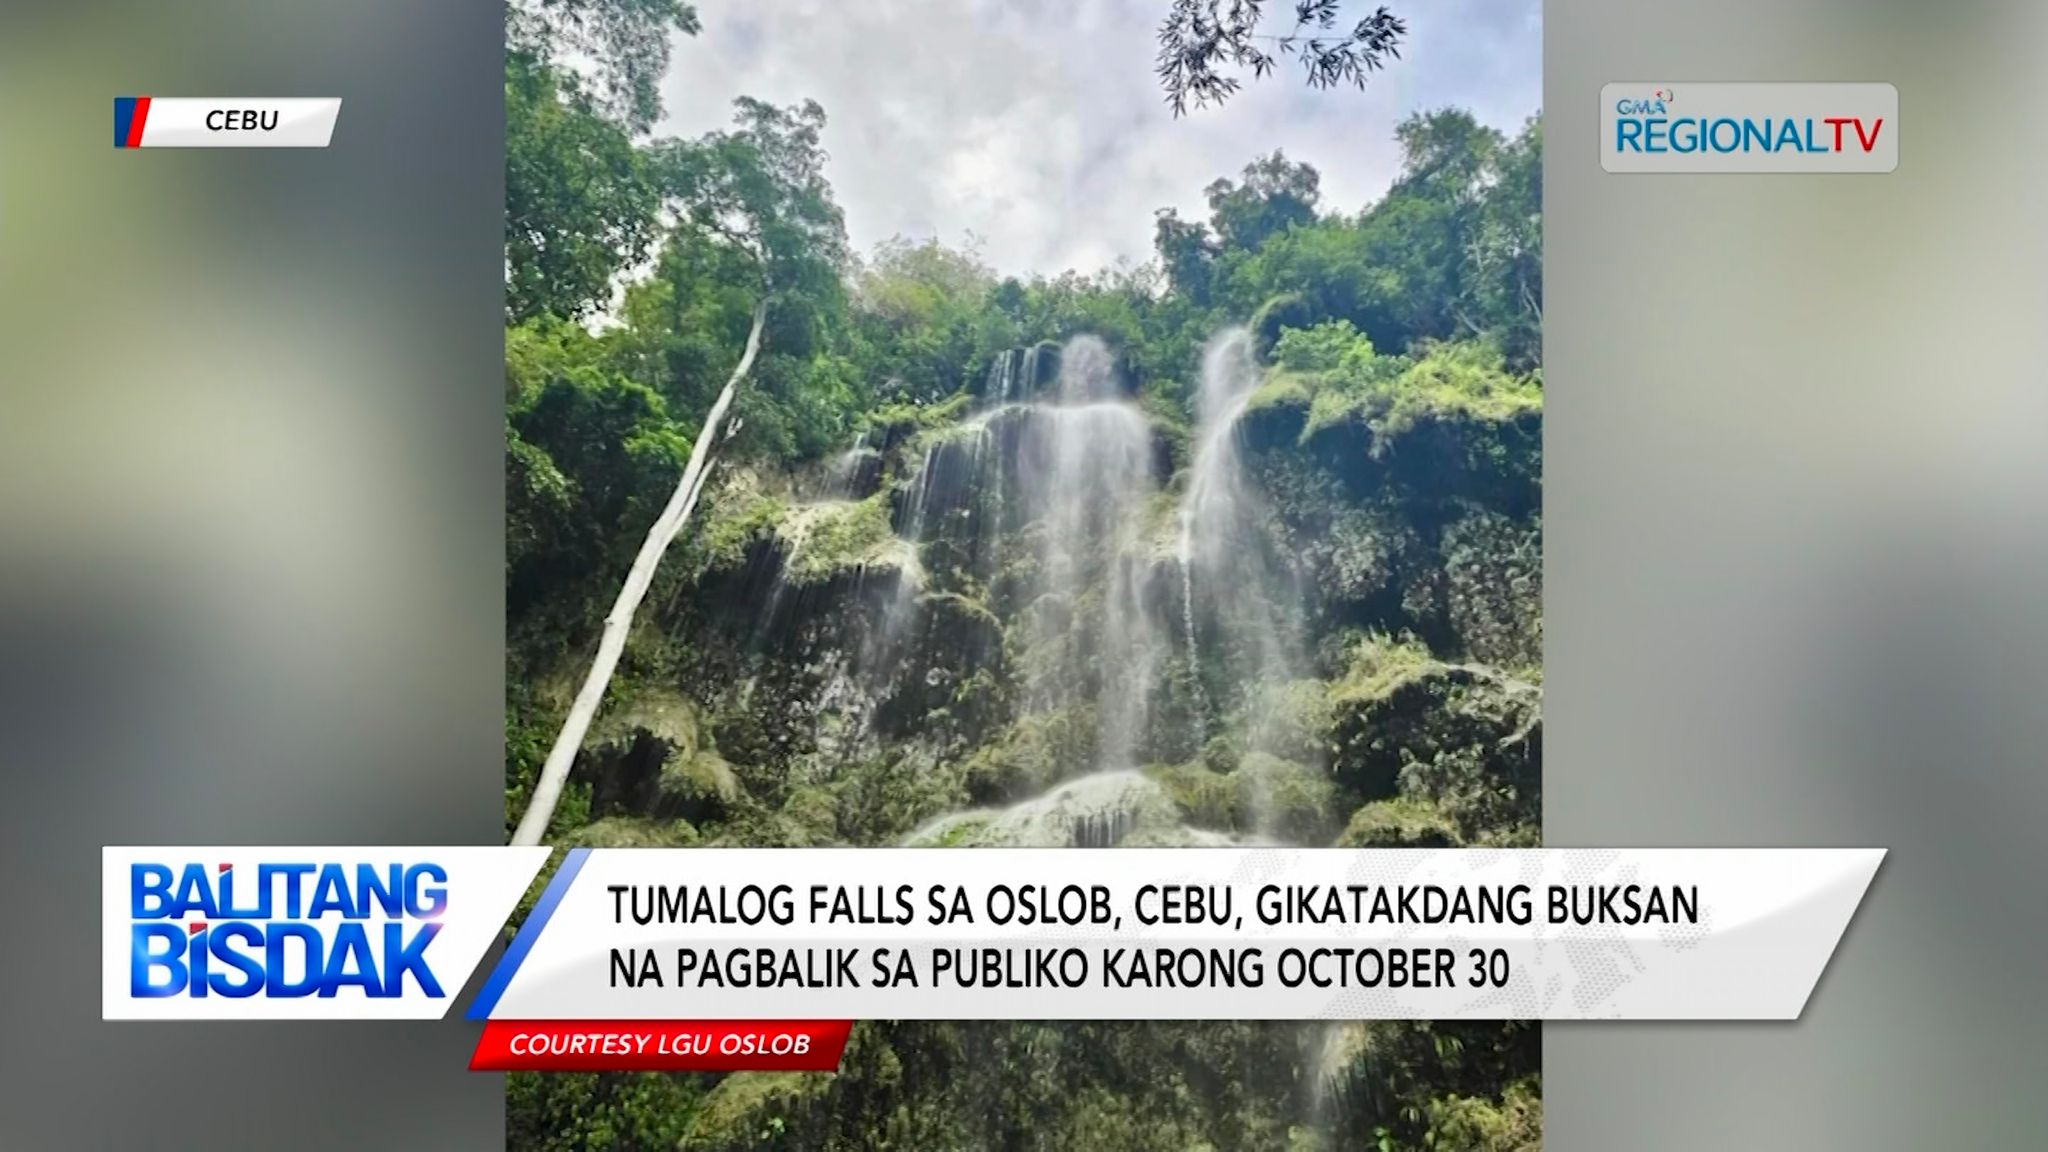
130, 114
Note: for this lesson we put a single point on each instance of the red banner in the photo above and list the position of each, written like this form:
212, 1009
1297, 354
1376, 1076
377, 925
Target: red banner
660, 1046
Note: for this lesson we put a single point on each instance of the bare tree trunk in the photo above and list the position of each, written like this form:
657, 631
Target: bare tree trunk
547, 790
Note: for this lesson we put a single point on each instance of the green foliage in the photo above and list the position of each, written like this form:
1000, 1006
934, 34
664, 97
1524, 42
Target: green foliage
1450, 381
586, 1112
1346, 380
579, 202
627, 40
1274, 195
761, 188
890, 422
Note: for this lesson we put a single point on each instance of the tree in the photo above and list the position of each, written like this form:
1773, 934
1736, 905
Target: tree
1187, 252
1274, 194
622, 44
1507, 250
579, 202
760, 189
582, 81
1201, 38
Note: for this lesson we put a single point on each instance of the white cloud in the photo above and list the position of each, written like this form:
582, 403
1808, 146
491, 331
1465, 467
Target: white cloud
1037, 125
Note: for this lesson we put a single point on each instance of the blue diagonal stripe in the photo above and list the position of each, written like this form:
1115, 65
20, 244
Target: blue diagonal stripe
487, 999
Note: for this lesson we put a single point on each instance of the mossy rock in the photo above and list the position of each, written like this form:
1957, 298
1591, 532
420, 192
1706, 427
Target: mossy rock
1290, 802
826, 541
1467, 737
1205, 798
1222, 753
807, 818
702, 787
1101, 809
1493, 588
961, 623
737, 515
1292, 720
1265, 796
959, 829
1036, 752
1286, 310
632, 761
668, 717
634, 832
1399, 823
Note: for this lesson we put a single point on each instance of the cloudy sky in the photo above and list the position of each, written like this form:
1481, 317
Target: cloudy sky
1037, 125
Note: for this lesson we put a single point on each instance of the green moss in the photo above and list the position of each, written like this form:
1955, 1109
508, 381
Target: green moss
1403, 822
1279, 313
1170, 426
965, 622
1334, 373
821, 542
1265, 795
1291, 720
1378, 664
1204, 798
1037, 751
1287, 800
1513, 1123
633, 832
751, 1110
1281, 389
893, 421
665, 715
961, 831
701, 780
1455, 381
735, 521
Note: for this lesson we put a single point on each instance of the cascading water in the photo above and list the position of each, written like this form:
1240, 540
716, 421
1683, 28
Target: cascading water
1085, 476
1230, 576
1045, 506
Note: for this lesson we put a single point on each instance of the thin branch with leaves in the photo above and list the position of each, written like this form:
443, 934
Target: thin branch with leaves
1201, 39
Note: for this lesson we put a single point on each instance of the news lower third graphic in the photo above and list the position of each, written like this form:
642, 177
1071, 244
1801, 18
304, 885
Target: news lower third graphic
223, 122
759, 959
1749, 128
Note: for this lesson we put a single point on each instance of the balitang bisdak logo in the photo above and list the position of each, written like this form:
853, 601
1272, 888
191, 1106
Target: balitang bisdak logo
1749, 128
295, 929
299, 932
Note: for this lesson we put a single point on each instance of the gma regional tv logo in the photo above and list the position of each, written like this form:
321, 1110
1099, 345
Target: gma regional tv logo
300, 933
1758, 128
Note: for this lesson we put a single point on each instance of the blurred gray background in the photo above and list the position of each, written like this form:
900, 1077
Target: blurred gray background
251, 530
1797, 541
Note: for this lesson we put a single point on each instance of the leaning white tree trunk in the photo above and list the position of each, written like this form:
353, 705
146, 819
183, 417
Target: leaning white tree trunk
547, 791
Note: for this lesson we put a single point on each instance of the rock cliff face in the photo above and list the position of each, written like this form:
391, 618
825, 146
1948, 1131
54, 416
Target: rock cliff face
1050, 614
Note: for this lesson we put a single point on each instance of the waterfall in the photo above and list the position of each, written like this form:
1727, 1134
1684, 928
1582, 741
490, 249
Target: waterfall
1231, 576
1002, 378
1085, 470
1042, 510
1213, 502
